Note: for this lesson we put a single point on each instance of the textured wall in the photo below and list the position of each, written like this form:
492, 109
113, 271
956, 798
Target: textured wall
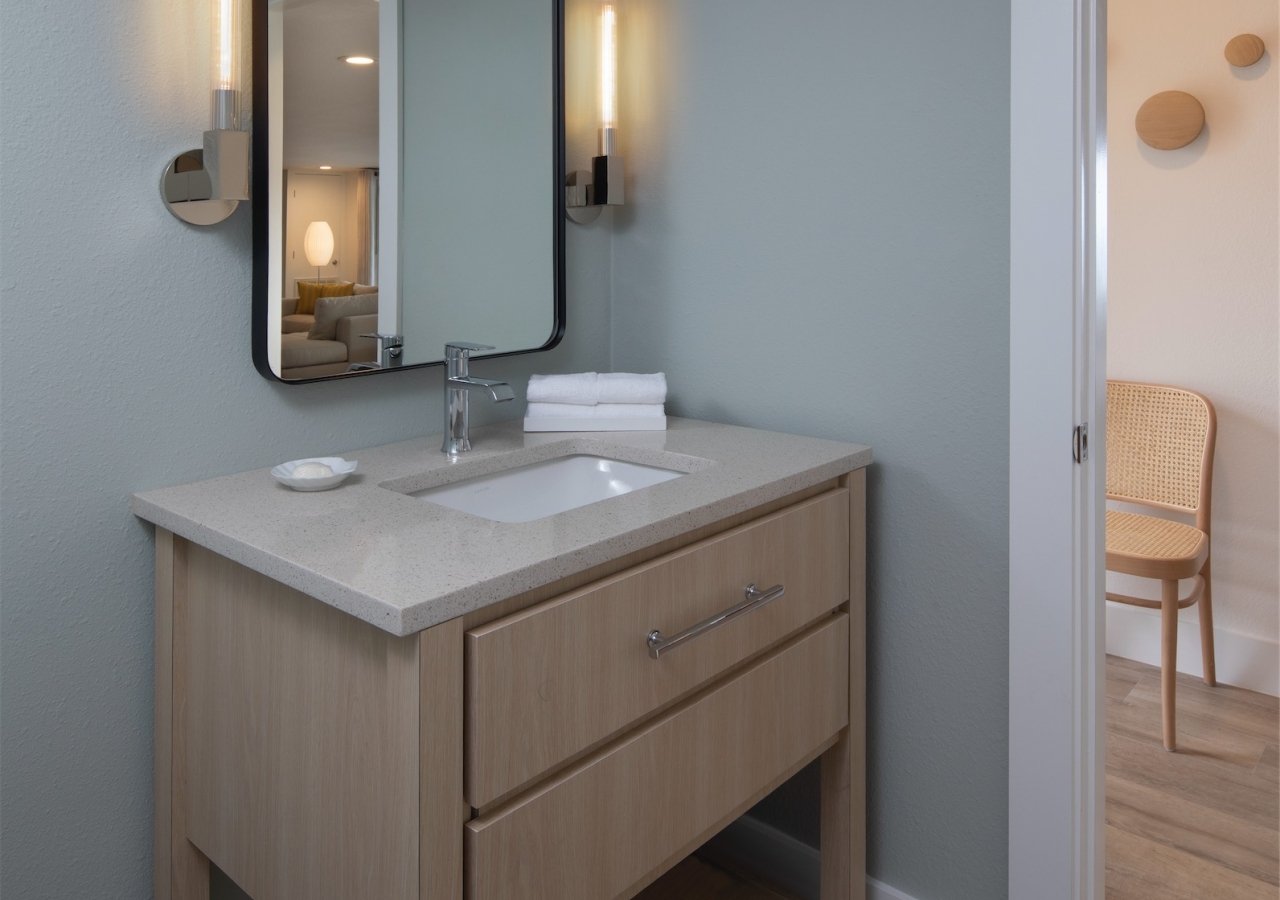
818, 242
124, 365
1194, 287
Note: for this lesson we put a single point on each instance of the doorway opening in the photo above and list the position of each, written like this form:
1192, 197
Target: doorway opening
1192, 302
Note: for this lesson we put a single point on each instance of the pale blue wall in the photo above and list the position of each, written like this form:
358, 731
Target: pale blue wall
817, 241
124, 364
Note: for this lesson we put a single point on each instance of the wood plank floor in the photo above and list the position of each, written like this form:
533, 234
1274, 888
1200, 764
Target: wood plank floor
1201, 823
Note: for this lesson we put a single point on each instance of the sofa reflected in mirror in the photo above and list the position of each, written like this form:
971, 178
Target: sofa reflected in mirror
323, 328
328, 286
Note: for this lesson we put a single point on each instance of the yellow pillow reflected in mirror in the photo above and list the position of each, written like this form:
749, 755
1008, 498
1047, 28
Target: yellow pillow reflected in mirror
311, 291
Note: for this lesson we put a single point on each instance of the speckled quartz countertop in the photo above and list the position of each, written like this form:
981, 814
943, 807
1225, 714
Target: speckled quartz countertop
404, 564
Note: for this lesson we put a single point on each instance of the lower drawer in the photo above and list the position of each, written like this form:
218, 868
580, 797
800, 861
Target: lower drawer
612, 824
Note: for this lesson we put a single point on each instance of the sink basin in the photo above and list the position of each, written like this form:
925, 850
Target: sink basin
546, 488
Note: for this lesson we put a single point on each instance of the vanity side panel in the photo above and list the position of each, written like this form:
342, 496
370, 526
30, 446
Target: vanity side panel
302, 733
162, 762
181, 872
844, 784
442, 809
608, 827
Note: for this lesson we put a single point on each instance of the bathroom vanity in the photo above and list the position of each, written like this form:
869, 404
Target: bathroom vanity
364, 694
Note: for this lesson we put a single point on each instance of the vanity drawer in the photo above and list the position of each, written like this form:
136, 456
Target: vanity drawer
610, 825
551, 682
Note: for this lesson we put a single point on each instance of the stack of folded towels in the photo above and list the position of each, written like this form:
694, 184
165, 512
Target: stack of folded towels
587, 401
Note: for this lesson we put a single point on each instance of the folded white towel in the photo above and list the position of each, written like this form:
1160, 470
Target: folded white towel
590, 389
579, 389
629, 387
599, 411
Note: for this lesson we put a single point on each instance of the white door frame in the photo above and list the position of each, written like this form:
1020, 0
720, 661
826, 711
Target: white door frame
1057, 380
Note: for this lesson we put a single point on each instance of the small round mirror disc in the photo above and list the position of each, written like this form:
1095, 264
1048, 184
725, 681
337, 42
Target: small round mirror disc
1169, 120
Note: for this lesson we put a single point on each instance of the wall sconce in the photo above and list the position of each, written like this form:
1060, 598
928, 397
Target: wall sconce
204, 186
586, 193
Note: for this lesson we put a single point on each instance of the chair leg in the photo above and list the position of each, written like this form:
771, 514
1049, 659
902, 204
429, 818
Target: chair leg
1206, 627
1168, 659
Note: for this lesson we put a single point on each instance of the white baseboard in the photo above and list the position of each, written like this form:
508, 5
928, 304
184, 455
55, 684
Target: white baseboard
1243, 660
754, 846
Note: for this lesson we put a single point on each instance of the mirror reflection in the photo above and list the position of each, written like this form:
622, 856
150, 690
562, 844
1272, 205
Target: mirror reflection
412, 188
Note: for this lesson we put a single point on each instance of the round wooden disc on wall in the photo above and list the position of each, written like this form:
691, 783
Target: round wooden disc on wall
1169, 120
1244, 50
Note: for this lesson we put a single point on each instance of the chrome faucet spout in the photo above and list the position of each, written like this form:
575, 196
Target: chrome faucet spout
500, 391
458, 384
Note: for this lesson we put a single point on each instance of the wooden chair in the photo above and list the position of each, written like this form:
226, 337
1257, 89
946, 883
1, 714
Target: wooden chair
1160, 454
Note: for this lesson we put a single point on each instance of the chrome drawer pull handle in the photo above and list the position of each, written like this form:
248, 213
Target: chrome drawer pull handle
755, 598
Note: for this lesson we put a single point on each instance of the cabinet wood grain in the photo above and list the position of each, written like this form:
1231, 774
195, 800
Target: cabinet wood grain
442, 809
181, 870
555, 680
608, 827
302, 726
843, 830
530, 749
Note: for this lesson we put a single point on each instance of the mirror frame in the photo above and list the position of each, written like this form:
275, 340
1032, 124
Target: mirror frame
260, 193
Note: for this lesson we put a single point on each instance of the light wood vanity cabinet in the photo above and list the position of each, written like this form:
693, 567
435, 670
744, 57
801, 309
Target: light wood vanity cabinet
531, 749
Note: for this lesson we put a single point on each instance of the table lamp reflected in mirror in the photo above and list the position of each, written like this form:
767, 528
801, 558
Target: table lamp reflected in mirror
317, 245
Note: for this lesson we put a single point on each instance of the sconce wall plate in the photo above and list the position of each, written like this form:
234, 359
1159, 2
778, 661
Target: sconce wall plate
1244, 50
1169, 120
578, 207
187, 191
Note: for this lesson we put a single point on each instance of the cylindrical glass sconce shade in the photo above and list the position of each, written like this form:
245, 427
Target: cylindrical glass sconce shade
227, 25
608, 78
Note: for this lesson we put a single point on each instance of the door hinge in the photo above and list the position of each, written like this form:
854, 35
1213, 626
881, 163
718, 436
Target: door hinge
1080, 442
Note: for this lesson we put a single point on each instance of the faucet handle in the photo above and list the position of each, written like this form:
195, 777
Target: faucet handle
466, 347
457, 356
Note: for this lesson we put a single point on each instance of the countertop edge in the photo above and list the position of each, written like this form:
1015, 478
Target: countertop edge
403, 621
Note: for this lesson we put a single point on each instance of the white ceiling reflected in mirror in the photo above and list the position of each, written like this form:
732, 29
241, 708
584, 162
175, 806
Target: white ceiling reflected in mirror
425, 137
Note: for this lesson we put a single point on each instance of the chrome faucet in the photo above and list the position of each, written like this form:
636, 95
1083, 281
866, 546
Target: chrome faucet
458, 385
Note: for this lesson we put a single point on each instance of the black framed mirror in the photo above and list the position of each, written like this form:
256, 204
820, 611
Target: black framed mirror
408, 160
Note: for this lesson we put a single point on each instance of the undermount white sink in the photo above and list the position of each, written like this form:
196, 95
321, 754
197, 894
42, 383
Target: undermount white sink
546, 488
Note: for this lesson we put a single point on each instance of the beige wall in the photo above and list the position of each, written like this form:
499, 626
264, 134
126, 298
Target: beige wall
1194, 294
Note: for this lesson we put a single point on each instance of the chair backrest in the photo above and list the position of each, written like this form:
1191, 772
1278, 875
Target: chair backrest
1160, 447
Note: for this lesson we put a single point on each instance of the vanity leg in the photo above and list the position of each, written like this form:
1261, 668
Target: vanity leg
844, 787
181, 871
442, 809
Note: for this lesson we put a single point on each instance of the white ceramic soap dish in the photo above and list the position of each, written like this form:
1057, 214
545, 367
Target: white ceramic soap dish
317, 473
